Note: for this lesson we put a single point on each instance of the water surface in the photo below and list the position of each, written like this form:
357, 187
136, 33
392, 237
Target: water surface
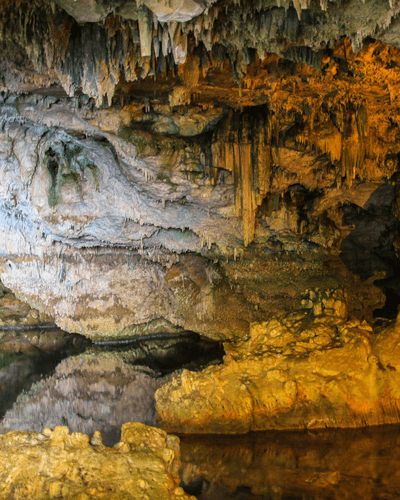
101, 388
98, 389
361, 464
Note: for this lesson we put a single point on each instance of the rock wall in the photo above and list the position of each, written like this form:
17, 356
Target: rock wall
208, 166
198, 165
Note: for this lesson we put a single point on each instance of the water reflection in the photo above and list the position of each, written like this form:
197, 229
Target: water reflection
87, 393
28, 357
99, 389
326, 465
165, 353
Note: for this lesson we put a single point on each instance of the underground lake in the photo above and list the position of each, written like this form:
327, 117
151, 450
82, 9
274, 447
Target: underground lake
199, 249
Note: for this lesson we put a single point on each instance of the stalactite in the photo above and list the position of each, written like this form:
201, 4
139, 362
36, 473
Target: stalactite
91, 56
178, 42
145, 19
298, 8
243, 146
165, 42
248, 203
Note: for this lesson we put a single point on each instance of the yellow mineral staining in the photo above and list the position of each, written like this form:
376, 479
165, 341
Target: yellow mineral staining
351, 119
57, 464
308, 369
180, 96
347, 110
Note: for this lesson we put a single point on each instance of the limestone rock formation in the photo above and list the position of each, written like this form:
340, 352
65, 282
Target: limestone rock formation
198, 165
57, 464
146, 147
16, 313
305, 370
225, 167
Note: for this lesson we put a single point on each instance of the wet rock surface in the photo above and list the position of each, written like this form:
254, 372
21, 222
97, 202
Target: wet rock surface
60, 464
209, 167
101, 388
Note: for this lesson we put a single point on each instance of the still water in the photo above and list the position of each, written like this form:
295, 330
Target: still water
99, 388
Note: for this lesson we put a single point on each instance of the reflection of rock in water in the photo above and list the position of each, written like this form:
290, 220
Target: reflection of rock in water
88, 393
314, 465
165, 352
34, 341
15, 374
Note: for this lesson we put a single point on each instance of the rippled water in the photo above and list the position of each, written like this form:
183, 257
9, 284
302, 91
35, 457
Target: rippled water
101, 389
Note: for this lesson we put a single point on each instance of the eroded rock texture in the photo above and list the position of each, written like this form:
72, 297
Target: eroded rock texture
57, 464
133, 212
311, 369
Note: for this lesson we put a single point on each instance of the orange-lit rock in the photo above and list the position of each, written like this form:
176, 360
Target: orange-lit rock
198, 164
305, 370
57, 464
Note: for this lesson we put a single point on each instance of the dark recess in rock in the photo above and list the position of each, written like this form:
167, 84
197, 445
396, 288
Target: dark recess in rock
369, 249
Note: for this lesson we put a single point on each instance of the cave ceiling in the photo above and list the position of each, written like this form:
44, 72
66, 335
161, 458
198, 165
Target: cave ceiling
247, 146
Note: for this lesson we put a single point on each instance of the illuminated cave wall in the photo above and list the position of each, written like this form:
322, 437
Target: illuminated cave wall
281, 116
